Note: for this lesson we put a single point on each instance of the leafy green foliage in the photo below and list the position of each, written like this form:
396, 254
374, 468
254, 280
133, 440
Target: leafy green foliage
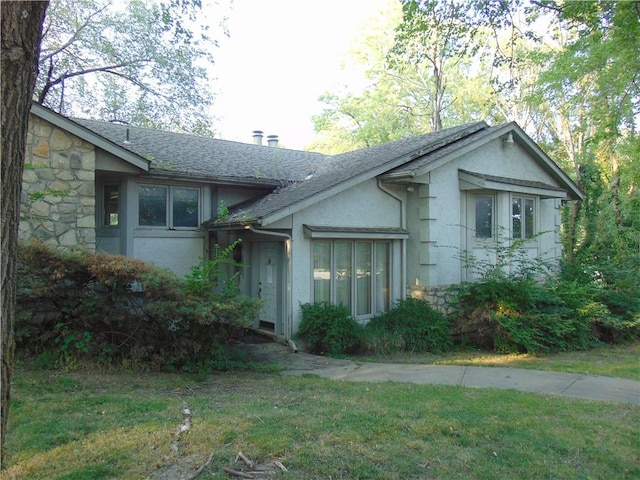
521, 311
520, 315
120, 311
412, 325
134, 61
326, 328
209, 275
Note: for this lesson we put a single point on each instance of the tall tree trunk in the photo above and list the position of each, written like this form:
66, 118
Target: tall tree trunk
21, 36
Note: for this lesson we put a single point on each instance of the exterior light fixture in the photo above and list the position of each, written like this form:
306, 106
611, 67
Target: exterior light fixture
507, 142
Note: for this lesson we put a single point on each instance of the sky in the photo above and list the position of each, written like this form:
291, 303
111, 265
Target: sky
281, 55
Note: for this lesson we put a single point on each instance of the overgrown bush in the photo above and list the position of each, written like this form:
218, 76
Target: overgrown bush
326, 328
412, 325
518, 310
120, 311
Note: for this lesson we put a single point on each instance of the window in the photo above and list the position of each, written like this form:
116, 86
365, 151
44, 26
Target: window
156, 204
111, 204
522, 217
484, 216
352, 273
185, 207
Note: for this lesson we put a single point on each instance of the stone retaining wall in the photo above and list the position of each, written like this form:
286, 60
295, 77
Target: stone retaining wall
58, 188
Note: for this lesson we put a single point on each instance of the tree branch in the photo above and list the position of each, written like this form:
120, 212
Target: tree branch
547, 6
107, 69
75, 35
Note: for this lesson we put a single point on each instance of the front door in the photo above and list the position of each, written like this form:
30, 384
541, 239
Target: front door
269, 286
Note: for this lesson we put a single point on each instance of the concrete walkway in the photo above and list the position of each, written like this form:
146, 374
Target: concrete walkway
583, 386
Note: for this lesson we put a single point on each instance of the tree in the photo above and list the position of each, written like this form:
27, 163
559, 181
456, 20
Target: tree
437, 34
413, 85
137, 61
21, 35
597, 76
429, 65
362, 115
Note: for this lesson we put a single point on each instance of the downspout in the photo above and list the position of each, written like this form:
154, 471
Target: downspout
288, 304
403, 224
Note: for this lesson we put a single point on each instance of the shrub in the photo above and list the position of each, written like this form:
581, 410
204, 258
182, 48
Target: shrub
522, 315
412, 325
326, 328
518, 306
76, 305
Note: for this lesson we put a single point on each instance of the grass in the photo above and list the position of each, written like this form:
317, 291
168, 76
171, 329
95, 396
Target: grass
611, 360
87, 424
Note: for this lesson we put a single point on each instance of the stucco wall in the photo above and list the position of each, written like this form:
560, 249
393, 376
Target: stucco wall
362, 206
175, 254
437, 214
58, 188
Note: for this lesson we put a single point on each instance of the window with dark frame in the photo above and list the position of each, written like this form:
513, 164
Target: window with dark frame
111, 202
168, 206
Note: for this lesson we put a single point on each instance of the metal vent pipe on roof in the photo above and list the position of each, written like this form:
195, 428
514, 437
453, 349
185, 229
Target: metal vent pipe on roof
272, 140
257, 137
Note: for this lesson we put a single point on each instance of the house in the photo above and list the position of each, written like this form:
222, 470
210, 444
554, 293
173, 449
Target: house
363, 228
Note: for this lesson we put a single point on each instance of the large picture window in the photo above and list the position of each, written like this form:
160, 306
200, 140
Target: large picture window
168, 206
354, 273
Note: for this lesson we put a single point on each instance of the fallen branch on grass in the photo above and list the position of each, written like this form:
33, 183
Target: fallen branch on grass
257, 471
200, 469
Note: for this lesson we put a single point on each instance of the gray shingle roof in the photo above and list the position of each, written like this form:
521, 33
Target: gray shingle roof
348, 167
207, 157
451, 147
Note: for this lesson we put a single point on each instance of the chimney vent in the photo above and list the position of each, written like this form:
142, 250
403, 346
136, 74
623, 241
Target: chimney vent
272, 140
257, 137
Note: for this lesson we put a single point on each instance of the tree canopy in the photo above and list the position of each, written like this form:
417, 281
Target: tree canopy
135, 61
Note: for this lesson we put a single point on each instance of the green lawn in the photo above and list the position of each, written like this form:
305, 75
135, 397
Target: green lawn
88, 425
614, 361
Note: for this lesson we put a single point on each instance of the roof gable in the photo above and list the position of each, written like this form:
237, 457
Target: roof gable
452, 151
303, 178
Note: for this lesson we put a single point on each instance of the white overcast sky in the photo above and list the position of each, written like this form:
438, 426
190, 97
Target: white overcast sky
280, 57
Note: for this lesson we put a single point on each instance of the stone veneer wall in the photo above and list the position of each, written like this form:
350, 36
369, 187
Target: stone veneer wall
58, 188
440, 298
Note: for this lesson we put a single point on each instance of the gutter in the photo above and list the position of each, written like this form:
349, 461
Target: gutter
403, 224
288, 303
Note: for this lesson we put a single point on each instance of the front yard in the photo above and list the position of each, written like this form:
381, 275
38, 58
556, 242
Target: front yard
88, 424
